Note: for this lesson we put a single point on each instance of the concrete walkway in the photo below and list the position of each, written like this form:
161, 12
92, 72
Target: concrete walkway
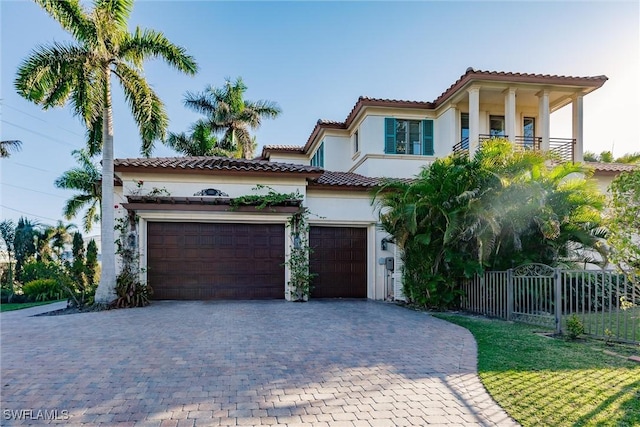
322, 363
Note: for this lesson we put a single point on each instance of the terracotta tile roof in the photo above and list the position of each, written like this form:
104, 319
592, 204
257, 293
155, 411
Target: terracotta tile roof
503, 76
612, 167
214, 164
281, 147
364, 101
347, 180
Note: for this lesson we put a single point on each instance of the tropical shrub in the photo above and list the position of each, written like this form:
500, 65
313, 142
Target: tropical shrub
624, 221
501, 208
37, 270
42, 290
78, 289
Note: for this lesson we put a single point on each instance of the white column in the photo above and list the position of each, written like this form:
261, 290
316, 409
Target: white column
543, 118
474, 119
577, 122
510, 113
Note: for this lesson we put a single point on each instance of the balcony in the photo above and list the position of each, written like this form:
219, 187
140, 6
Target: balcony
560, 148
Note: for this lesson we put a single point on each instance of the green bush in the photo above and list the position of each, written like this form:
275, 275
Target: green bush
36, 270
131, 291
42, 290
575, 327
4, 295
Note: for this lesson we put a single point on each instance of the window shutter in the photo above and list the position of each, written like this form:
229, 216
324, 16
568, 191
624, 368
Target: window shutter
389, 135
427, 137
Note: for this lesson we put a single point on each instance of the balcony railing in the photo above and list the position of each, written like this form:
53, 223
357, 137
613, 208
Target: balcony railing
560, 148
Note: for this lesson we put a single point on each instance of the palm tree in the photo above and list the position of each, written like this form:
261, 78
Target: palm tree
201, 142
43, 243
7, 146
227, 111
86, 179
61, 236
80, 74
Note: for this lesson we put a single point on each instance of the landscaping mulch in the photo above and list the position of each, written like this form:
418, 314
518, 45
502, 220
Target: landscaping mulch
73, 310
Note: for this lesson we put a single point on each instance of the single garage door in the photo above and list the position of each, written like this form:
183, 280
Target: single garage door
195, 261
339, 259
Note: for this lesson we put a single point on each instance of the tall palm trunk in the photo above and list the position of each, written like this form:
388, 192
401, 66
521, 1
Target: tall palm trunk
105, 293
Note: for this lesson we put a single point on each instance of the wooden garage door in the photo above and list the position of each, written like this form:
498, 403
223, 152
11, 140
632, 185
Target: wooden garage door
194, 261
340, 259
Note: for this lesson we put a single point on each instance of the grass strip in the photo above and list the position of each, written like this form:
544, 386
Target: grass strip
543, 381
21, 305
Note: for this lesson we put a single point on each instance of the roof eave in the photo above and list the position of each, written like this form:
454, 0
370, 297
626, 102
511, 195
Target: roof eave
224, 172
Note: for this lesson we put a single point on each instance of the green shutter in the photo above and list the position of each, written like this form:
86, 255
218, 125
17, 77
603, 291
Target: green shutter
389, 135
322, 155
427, 137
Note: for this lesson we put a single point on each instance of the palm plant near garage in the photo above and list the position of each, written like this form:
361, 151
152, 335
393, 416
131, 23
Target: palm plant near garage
80, 73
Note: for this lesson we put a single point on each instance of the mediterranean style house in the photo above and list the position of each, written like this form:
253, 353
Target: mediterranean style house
193, 245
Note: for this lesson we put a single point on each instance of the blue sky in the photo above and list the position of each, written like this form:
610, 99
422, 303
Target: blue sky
315, 59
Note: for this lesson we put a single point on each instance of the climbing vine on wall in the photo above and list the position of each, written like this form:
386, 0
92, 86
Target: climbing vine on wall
263, 201
300, 277
130, 289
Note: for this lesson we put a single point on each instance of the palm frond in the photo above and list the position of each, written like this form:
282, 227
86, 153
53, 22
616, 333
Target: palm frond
46, 77
87, 98
116, 11
75, 204
94, 136
146, 107
143, 44
200, 102
7, 146
72, 17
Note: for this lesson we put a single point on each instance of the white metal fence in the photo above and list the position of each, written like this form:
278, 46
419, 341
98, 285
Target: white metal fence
607, 302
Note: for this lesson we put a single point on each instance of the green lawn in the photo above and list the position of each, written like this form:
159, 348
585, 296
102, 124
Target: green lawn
20, 306
543, 381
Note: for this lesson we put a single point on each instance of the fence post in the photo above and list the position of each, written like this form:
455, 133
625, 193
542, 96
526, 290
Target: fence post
509, 294
558, 299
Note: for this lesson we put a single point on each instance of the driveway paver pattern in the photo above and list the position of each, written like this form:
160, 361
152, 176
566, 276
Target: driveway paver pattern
321, 363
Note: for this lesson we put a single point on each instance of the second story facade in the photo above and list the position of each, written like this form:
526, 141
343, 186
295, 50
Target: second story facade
393, 138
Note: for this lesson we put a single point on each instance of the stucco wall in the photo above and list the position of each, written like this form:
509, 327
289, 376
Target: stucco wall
296, 159
337, 153
392, 165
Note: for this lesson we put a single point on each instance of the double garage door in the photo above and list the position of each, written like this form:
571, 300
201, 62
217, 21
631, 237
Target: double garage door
198, 261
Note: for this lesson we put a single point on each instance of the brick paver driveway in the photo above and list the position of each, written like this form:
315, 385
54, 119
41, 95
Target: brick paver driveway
347, 363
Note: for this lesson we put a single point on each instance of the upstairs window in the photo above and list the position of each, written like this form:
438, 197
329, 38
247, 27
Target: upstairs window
497, 126
412, 137
356, 143
318, 158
